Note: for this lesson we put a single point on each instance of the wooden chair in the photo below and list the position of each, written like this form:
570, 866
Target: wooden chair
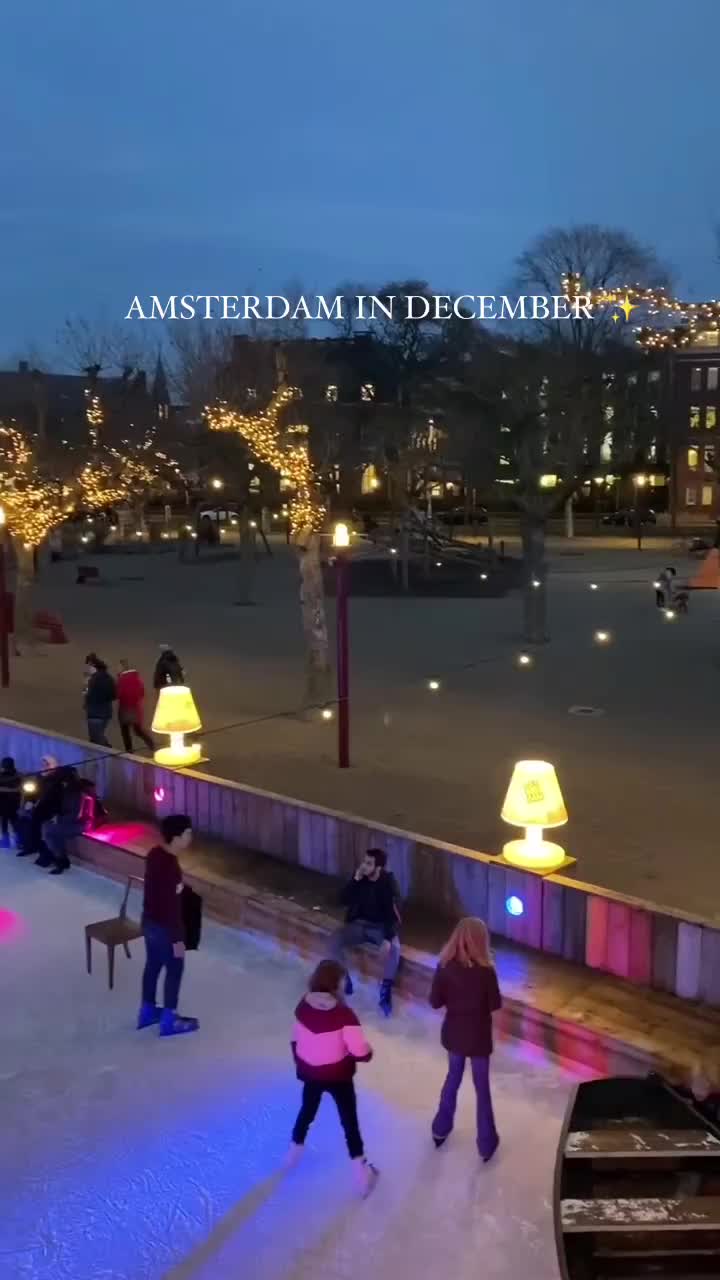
117, 932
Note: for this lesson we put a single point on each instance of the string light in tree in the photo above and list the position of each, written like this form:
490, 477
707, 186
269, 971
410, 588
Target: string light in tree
94, 416
285, 450
696, 317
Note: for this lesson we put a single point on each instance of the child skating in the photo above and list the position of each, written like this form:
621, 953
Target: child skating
327, 1044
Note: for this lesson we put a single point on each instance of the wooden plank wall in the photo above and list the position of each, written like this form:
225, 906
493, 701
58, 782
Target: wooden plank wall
638, 942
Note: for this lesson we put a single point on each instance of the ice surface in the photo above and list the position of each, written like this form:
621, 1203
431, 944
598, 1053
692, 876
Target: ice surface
126, 1157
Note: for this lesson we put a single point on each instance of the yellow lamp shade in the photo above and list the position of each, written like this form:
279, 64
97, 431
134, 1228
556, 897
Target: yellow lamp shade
175, 711
534, 798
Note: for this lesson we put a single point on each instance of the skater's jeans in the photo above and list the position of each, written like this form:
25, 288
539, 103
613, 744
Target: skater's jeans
159, 948
353, 935
55, 834
96, 730
343, 1095
443, 1123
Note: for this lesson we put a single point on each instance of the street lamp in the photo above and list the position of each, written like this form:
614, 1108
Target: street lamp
341, 542
4, 647
639, 481
216, 483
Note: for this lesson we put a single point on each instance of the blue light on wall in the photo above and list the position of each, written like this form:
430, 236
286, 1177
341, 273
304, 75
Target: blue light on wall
514, 905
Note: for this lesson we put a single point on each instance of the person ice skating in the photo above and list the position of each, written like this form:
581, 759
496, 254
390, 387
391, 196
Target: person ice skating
100, 693
131, 704
665, 588
167, 668
371, 899
327, 1044
42, 805
10, 796
70, 821
163, 928
466, 986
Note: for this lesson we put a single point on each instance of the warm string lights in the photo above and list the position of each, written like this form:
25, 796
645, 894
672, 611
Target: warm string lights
696, 317
282, 449
32, 504
93, 415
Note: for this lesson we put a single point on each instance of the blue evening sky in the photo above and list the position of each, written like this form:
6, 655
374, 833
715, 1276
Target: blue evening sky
232, 146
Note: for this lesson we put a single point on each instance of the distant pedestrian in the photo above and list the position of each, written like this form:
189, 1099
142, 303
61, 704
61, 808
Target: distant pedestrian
665, 587
167, 668
10, 796
131, 706
100, 693
164, 929
466, 986
327, 1044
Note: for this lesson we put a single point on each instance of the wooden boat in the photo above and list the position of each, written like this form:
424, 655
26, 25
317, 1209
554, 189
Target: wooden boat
637, 1184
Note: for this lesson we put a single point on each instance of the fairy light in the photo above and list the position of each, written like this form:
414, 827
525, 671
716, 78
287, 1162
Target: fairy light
93, 416
286, 451
694, 317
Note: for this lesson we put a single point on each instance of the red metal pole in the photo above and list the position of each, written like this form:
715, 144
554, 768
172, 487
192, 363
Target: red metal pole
4, 650
343, 661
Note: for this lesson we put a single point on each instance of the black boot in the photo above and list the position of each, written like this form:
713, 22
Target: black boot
62, 864
385, 1001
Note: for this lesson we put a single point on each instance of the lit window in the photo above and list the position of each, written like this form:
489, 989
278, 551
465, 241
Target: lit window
367, 391
606, 448
331, 393
692, 459
712, 378
632, 379
690, 497
696, 378
652, 452
695, 412
707, 495
548, 482
710, 416
710, 458
654, 375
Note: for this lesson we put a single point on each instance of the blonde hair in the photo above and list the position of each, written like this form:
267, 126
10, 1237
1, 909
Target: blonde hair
469, 943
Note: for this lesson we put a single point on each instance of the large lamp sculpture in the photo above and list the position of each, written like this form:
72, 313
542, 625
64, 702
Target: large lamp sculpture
177, 715
533, 801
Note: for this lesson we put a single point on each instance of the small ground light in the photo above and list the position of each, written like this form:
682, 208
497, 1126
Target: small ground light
483, 577
253, 524
138, 533
536, 582
438, 564
433, 685
514, 905
602, 637
327, 713
670, 614
524, 660
593, 586
393, 551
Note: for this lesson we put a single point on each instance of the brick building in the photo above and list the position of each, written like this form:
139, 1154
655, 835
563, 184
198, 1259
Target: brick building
694, 406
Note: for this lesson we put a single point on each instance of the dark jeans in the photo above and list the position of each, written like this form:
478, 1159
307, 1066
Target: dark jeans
8, 819
343, 1095
96, 730
130, 727
443, 1123
29, 829
159, 948
55, 834
660, 598
359, 931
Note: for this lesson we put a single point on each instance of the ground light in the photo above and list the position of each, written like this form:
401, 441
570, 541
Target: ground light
593, 586
176, 715
669, 614
534, 801
602, 637
433, 685
524, 660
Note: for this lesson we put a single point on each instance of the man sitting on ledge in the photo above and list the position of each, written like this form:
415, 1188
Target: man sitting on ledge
371, 899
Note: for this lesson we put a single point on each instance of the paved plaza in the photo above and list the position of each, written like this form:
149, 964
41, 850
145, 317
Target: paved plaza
638, 778
133, 1158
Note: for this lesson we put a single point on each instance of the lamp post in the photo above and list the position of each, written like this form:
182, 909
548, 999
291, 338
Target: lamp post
639, 482
341, 541
4, 647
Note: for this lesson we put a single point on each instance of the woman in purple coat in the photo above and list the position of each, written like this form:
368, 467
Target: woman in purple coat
466, 986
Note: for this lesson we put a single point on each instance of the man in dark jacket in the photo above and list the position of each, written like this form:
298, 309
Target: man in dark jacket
100, 693
167, 668
163, 928
371, 899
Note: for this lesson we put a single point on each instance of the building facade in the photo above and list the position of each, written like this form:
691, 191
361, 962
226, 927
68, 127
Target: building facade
695, 414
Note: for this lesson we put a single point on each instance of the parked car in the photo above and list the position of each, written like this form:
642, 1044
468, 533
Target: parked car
627, 516
458, 515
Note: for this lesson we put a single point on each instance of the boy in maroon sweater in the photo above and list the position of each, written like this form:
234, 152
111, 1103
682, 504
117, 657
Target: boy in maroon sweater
163, 928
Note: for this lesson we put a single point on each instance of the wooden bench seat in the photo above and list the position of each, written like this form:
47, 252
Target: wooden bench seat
697, 1213
626, 1143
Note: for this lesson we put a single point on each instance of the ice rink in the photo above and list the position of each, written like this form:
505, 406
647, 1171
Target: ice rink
126, 1157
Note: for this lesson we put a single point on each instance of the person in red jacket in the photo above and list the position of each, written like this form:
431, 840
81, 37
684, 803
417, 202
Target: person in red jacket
131, 700
327, 1044
466, 986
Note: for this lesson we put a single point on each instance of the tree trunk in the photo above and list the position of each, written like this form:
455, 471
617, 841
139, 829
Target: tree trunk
24, 593
535, 571
314, 621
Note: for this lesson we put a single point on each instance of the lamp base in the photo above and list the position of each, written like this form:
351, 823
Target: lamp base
534, 855
179, 757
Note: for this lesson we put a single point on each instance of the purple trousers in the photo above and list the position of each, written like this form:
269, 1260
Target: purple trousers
443, 1123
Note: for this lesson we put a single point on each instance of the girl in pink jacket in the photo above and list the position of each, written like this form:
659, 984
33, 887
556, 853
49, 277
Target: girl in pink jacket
327, 1043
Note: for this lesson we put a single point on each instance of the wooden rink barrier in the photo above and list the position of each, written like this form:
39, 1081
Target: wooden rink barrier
648, 945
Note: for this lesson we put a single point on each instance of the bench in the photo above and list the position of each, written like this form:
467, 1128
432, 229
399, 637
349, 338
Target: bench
696, 1213
625, 1143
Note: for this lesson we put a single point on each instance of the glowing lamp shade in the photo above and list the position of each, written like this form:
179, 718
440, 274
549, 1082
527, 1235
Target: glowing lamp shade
533, 801
341, 536
176, 715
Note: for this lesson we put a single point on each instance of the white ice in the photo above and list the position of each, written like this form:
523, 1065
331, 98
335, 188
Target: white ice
126, 1157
